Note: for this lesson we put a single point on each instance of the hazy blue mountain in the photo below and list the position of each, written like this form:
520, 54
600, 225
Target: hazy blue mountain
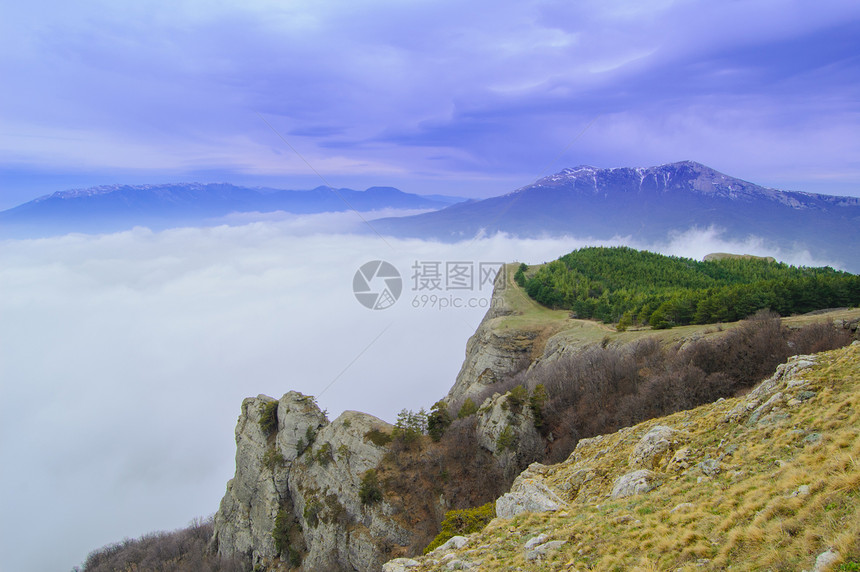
646, 204
119, 207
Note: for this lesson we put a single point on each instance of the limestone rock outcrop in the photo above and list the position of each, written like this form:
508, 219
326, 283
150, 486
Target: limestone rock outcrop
303, 478
529, 493
506, 428
766, 400
655, 449
635, 483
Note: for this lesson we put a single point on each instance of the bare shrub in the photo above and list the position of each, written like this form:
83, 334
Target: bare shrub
605, 387
456, 467
184, 550
818, 337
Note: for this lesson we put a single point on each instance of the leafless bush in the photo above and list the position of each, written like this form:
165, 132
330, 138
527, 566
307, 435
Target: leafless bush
456, 467
605, 387
818, 338
184, 550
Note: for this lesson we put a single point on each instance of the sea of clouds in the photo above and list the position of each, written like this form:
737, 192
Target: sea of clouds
124, 359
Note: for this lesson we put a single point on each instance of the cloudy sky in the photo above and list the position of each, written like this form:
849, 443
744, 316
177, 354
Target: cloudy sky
124, 358
467, 98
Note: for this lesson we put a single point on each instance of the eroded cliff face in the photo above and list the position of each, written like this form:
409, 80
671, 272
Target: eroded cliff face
513, 337
304, 477
493, 352
491, 355
507, 430
246, 517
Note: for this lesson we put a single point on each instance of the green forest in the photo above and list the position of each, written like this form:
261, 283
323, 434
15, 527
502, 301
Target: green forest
632, 287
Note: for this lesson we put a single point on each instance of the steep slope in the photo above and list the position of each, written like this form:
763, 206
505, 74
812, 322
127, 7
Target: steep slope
647, 204
765, 481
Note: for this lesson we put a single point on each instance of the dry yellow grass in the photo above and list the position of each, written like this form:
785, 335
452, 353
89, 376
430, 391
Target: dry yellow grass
788, 489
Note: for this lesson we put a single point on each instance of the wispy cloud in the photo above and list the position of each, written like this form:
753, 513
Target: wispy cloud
430, 95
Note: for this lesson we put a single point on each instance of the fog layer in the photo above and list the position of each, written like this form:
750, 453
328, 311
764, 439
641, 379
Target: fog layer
124, 359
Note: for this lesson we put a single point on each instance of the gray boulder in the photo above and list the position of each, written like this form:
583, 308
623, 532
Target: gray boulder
528, 494
825, 560
542, 550
635, 483
454, 543
654, 448
536, 540
399, 565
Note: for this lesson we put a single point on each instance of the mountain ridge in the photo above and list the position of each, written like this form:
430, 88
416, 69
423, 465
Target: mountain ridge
641, 205
108, 208
649, 205
708, 179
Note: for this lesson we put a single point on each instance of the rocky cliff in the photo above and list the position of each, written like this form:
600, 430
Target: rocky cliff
299, 480
514, 334
299, 477
314, 494
491, 352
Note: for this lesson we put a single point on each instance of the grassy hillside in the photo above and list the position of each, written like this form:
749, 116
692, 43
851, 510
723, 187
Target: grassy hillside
768, 481
602, 385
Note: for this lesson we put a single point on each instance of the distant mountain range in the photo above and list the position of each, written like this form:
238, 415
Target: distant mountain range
647, 204
119, 207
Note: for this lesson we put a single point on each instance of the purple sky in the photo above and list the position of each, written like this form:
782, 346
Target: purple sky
471, 99
464, 98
